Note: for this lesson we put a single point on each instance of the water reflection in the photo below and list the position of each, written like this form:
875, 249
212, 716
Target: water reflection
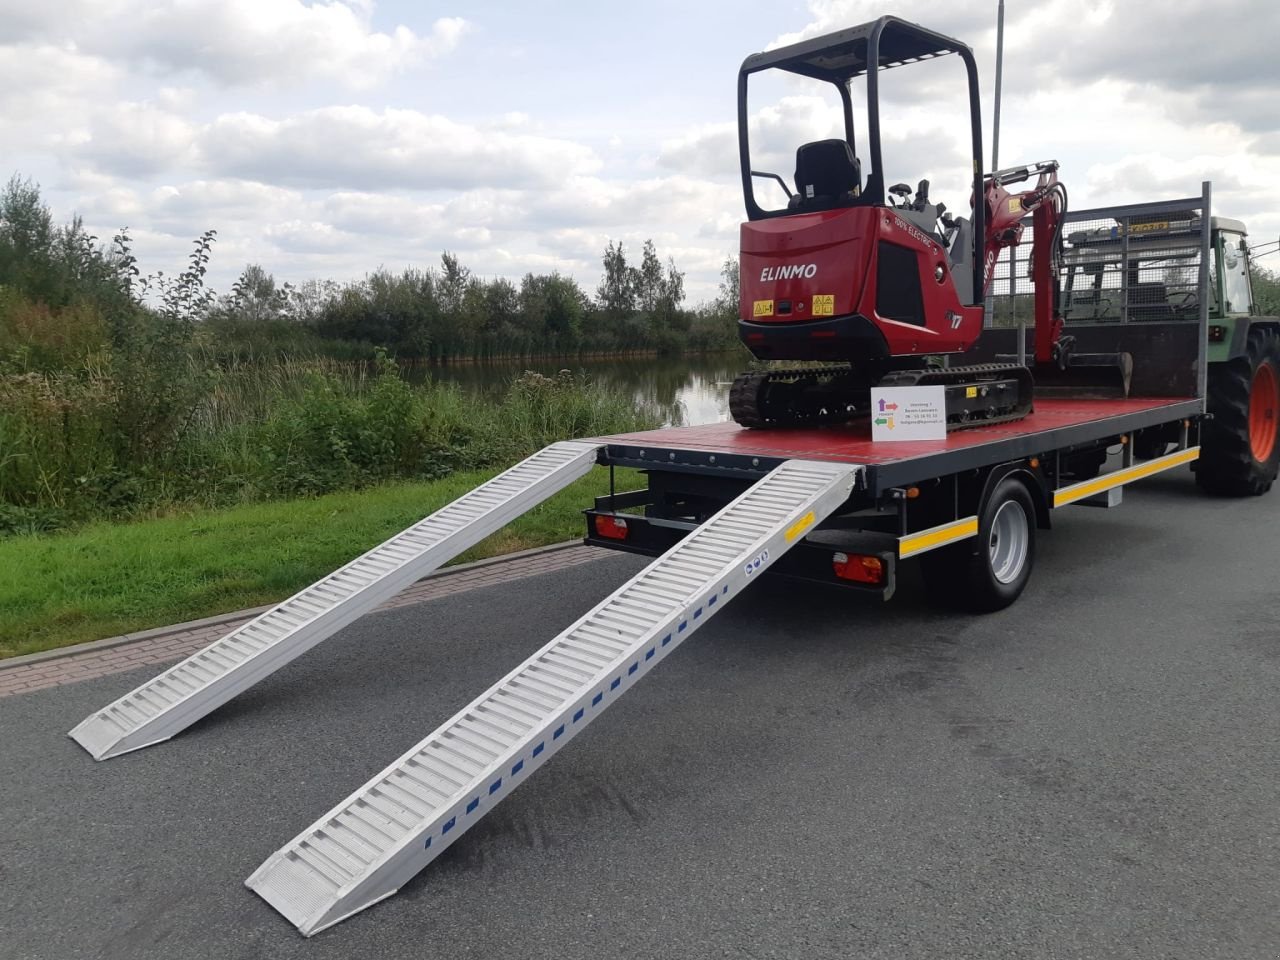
689, 390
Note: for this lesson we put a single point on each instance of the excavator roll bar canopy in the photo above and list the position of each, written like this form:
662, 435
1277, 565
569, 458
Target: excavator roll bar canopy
841, 57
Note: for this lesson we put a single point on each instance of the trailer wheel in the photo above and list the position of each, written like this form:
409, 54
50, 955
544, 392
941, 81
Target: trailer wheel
1239, 446
989, 572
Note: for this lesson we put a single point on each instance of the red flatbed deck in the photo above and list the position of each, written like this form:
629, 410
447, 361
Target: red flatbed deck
1053, 425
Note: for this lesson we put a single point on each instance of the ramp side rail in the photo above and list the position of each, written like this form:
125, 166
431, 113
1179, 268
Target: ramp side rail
189, 690
382, 835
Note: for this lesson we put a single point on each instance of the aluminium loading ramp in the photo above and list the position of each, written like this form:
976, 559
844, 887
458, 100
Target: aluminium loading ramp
184, 693
375, 840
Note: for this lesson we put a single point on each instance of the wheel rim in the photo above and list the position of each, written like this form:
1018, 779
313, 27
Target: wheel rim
1009, 540
1264, 403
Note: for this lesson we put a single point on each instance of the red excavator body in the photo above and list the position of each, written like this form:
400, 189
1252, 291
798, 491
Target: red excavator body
849, 284
873, 281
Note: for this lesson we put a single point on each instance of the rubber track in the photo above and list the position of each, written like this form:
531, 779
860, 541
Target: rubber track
1226, 466
952, 376
744, 398
744, 394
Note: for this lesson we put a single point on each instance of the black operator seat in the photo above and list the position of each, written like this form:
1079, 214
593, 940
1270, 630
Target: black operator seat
828, 175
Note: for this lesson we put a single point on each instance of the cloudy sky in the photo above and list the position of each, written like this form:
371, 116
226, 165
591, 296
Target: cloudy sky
326, 139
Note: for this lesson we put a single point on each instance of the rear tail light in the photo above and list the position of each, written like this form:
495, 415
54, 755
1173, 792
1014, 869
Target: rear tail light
615, 528
858, 567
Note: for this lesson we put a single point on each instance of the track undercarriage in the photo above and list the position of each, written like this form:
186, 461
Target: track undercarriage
976, 395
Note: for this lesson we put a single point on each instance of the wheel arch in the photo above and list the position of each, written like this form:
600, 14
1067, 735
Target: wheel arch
1029, 478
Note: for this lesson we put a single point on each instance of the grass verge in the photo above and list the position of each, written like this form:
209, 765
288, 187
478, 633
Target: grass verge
108, 578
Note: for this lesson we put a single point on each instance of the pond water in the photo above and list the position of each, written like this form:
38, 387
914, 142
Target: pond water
689, 390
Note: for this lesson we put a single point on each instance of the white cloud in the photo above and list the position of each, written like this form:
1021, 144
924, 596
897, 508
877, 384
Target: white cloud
360, 148
138, 140
259, 119
303, 237
49, 92
237, 43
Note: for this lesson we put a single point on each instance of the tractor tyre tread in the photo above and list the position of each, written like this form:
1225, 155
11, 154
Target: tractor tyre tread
1227, 466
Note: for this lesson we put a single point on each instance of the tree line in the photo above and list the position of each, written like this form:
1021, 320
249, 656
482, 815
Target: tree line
449, 312
434, 313
123, 391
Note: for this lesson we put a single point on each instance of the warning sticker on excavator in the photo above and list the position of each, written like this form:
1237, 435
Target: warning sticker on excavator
970, 392
824, 305
1015, 204
762, 308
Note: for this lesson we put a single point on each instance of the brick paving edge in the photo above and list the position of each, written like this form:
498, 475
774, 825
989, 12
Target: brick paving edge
221, 618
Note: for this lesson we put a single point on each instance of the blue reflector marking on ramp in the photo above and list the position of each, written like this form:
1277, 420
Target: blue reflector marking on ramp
633, 668
596, 699
493, 787
683, 625
666, 639
449, 826
517, 768
538, 749
697, 613
648, 654
578, 716
428, 843
712, 601
616, 682
473, 804
559, 731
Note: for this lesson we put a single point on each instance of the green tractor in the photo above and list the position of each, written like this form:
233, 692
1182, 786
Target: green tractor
1153, 270
1240, 450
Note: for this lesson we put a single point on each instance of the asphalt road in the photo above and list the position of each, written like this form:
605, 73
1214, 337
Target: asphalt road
1092, 773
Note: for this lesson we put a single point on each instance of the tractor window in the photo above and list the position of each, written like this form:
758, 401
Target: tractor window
1235, 274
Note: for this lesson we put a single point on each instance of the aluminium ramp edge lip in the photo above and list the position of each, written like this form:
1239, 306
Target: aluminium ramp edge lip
384, 833
187, 691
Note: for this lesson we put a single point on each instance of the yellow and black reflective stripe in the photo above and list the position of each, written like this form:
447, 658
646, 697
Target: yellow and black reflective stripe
1118, 478
940, 536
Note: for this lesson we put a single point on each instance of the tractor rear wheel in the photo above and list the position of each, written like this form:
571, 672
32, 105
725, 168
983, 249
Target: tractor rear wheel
1240, 445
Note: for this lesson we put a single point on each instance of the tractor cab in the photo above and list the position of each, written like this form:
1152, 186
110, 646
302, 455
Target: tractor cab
1149, 269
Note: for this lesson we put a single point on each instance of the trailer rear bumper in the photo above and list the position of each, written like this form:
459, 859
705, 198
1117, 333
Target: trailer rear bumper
811, 560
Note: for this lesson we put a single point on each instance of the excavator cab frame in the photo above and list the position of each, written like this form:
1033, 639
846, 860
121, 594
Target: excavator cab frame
839, 58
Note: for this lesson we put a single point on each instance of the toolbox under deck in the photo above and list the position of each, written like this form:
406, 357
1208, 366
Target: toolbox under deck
1053, 425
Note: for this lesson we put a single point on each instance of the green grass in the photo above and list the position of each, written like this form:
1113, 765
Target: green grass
110, 578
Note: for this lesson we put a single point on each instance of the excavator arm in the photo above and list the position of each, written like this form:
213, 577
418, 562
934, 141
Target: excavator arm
1047, 204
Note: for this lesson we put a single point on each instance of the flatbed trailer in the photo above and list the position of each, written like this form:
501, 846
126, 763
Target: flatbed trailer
912, 497
1146, 280
723, 505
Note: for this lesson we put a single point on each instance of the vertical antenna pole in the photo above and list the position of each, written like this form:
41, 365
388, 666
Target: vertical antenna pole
995, 134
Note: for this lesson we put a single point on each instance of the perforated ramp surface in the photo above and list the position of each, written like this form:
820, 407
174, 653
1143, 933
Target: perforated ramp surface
383, 834
209, 678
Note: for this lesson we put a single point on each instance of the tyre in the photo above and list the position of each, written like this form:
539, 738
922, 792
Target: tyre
1239, 446
989, 572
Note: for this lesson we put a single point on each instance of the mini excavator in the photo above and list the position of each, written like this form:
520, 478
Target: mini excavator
872, 282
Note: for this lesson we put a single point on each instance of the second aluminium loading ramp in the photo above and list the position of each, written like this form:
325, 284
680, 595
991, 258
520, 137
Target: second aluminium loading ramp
187, 691
375, 840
